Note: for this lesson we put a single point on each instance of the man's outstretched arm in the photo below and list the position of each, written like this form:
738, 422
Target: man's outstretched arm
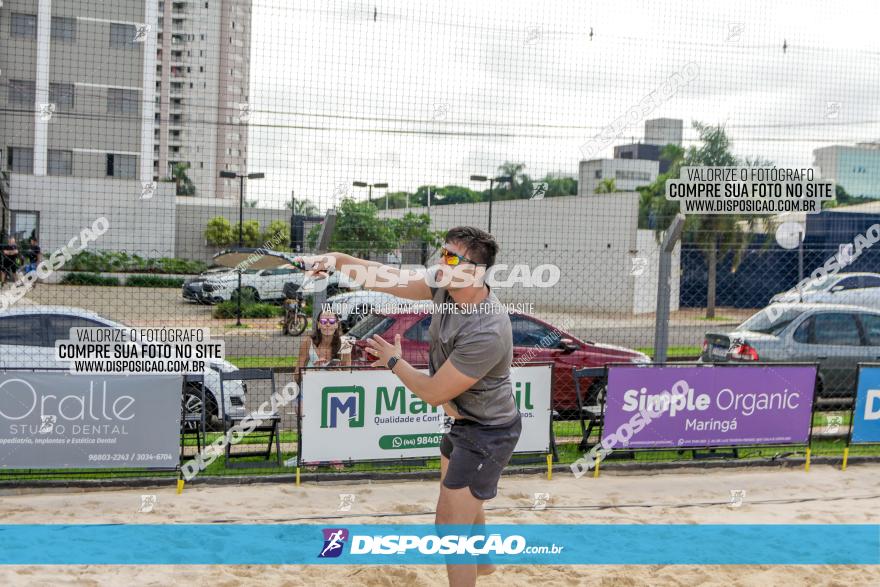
372, 275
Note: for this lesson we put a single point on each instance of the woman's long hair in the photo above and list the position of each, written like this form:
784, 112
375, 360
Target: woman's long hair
336, 343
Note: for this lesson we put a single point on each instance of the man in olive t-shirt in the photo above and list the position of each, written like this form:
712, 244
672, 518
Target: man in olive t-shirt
471, 348
478, 341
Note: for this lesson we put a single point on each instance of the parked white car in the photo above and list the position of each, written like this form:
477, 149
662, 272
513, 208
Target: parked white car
857, 289
269, 284
27, 340
263, 284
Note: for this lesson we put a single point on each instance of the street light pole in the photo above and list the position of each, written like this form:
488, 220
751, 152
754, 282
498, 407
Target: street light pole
491, 186
241, 177
491, 180
370, 186
240, 214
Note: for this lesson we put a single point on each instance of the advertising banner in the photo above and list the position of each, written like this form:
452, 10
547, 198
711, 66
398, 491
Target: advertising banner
665, 406
62, 420
866, 415
370, 415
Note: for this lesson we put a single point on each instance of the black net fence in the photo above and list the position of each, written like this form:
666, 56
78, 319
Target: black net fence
142, 139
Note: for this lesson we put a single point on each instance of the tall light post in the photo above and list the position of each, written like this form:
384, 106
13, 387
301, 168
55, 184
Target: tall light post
363, 184
491, 180
241, 177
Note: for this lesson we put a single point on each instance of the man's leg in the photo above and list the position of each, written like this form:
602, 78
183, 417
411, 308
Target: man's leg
459, 507
478, 523
485, 568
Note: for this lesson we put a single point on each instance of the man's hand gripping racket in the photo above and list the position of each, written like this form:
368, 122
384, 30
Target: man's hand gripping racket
315, 266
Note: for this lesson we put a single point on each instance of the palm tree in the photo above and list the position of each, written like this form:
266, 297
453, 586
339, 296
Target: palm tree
184, 185
606, 186
514, 171
713, 234
302, 207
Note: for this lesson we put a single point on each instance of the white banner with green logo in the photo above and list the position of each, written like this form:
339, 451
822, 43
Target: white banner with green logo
362, 415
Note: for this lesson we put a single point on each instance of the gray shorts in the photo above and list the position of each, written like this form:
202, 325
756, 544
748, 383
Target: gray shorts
477, 454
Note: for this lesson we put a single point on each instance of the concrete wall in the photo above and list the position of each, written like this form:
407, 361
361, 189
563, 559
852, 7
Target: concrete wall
69, 204
590, 239
594, 241
192, 219
644, 274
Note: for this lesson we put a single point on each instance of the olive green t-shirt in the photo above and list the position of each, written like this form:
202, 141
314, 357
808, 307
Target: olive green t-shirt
477, 339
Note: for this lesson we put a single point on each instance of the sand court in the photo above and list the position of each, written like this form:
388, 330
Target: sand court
825, 495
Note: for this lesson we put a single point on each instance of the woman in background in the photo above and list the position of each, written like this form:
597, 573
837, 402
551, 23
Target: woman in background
325, 347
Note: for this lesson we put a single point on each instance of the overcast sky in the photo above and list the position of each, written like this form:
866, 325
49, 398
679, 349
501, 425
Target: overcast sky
432, 92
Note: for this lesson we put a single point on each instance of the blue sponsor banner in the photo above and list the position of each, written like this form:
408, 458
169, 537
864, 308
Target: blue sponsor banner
866, 417
569, 544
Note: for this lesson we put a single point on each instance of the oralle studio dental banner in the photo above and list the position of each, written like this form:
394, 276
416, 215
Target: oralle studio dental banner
664, 406
62, 420
371, 415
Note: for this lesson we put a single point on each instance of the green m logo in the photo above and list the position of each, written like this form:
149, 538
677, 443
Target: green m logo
344, 399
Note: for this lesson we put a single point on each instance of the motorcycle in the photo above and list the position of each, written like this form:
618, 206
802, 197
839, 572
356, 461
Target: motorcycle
295, 320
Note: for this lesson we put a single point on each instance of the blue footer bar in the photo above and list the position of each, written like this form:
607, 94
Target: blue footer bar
569, 544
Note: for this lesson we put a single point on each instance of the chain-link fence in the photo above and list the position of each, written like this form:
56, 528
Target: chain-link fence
142, 139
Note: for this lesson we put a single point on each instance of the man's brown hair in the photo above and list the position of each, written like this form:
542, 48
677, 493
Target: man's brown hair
480, 246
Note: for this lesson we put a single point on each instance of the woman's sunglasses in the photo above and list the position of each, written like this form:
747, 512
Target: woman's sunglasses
325, 321
452, 259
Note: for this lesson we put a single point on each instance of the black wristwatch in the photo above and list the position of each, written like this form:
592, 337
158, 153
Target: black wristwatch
392, 362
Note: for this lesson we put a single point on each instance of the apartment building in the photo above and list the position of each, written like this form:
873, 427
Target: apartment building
77, 100
855, 168
202, 84
79, 88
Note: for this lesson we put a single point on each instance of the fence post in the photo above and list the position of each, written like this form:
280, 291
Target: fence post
661, 319
323, 245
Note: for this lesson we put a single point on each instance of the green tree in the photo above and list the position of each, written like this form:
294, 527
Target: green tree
606, 186
560, 186
454, 194
359, 231
183, 184
416, 229
251, 236
219, 232
277, 234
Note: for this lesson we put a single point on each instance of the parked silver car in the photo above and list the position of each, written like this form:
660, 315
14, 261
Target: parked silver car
859, 289
836, 336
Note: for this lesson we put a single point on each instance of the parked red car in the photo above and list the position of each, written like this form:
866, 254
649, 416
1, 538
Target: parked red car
565, 351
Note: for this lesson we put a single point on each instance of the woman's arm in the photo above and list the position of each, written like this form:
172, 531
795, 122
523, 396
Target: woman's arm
302, 358
345, 353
